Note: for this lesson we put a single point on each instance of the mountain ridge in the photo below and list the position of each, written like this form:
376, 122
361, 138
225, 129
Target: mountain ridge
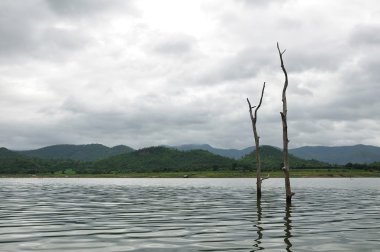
340, 155
359, 153
82, 152
231, 153
154, 159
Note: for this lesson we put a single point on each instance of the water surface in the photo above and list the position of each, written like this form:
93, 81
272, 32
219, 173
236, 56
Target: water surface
188, 215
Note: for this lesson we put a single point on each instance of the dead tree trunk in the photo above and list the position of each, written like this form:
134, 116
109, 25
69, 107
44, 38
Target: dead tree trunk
257, 143
285, 139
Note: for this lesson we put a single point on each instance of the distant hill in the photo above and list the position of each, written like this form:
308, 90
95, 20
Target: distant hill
5, 153
12, 162
333, 155
88, 152
231, 153
339, 155
272, 158
154, 159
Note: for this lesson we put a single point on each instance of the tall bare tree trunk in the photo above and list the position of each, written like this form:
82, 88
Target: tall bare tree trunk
285, 139
257, 143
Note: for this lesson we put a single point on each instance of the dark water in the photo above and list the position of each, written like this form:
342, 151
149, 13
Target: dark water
188, 215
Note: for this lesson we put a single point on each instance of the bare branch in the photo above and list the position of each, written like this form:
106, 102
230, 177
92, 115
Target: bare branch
249, 105
286, 78
261, 100
279, 51
267, 177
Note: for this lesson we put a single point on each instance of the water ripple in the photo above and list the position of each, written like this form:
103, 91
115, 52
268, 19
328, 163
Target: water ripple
188, 215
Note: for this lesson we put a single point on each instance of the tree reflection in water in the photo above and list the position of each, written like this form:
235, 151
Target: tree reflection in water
288, 227
258, 226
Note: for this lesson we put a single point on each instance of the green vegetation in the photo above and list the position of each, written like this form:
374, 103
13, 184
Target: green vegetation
162, 159
11, 162
167, 162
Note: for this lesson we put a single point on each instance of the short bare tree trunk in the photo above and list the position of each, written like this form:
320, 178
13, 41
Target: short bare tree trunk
257, 142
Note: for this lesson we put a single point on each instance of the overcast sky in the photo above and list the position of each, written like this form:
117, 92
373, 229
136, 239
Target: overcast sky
154, 72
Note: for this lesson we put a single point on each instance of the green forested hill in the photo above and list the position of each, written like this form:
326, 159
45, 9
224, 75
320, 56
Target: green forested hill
12, 162
155, 159
88, 152
152, 159
272, 158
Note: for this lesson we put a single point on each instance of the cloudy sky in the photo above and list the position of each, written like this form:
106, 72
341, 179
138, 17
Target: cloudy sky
153, 72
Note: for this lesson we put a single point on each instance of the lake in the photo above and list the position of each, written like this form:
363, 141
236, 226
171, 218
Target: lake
68, 214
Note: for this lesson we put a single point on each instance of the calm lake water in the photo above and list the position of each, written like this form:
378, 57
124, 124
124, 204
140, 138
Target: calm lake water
188, 215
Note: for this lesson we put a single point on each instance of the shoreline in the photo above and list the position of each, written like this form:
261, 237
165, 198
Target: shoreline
307, 173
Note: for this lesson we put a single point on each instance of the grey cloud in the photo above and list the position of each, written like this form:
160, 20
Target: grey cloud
74, 106
248, 63
154, 110
290, 24
27, 136
262, 3
370, 73
58, 39
28, 32
56, 44
338, 133
18, 21
321, 59
302, 91
366, 34
80, 8
152, 119
360, 81
343, 116
245, 64
175, 45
